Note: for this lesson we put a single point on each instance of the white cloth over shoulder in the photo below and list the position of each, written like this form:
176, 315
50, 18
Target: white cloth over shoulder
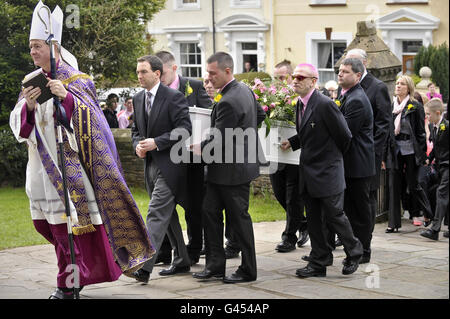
44, 199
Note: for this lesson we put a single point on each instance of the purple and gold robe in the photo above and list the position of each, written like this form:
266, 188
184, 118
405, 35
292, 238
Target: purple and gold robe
98, 192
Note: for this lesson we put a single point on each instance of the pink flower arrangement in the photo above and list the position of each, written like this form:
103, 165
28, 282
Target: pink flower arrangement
277, 99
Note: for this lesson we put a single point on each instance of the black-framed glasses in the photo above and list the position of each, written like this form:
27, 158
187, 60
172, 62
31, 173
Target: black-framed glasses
301, 77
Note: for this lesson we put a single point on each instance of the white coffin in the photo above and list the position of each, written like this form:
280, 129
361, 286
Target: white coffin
201, 123
271, 143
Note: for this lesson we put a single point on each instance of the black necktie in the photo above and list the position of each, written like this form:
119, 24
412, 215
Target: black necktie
301, 108
148, 103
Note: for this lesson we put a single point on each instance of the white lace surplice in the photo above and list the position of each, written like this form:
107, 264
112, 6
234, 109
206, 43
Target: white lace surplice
44, 199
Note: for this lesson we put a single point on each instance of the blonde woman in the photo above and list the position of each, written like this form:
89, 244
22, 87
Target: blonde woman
406, 152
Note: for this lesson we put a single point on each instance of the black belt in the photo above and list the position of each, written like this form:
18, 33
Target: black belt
402, 137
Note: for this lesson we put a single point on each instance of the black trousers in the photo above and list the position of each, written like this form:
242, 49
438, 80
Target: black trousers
418, 200
441, 199
285, 188
373, 193
232, 242
358, 210
235, 201
329, 210
193, 213
428, 178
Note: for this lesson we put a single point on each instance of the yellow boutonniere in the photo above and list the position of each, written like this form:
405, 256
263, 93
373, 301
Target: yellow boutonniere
338, 103
188, 91
442, 127
410, 106
217, 98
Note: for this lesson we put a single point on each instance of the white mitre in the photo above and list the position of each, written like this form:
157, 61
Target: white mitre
39, 30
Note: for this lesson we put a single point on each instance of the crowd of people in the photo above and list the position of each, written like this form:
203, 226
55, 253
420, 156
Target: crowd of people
348, 133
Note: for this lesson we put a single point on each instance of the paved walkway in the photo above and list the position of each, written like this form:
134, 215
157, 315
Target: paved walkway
404, 265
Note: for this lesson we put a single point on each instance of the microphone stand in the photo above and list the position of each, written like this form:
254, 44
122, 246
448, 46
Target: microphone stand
61, 120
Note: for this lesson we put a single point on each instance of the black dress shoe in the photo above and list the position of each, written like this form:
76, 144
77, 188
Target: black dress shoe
445, 234
350, 266
364, 260
60, 294
427, 223
308, 258
431, 234
285, 247
303, 239
308, 271
163, 258
141, 275
391, 230
231, 253
206, 274
172, 270
235, 278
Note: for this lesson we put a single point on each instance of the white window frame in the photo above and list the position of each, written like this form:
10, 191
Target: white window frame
176, 35
178, 5
313, 39
245, 3
241, 52
180, 65
319, 69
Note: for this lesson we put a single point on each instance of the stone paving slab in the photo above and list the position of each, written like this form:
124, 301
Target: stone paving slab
405, 265
400, 288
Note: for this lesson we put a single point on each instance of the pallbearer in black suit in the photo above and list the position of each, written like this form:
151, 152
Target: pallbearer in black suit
379, 98
160, 111
285, 186
359, 160
323, 136
196, 95
439, 136
232, 153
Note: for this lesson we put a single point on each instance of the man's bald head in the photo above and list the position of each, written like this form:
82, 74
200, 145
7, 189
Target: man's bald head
359, 54
310, 69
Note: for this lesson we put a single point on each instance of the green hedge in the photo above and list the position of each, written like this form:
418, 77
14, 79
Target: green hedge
13, 159
436, 58
250, 76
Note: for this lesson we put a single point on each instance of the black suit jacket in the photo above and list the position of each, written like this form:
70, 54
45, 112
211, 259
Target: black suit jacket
415, 118
238, 110
323, 136
359, 161
198, 97
378, 95
440, 144
169, 111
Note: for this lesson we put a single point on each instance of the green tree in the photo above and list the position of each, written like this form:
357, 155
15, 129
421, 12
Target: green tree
107, 40
423, 57
439, 66
111, 35
436, 58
